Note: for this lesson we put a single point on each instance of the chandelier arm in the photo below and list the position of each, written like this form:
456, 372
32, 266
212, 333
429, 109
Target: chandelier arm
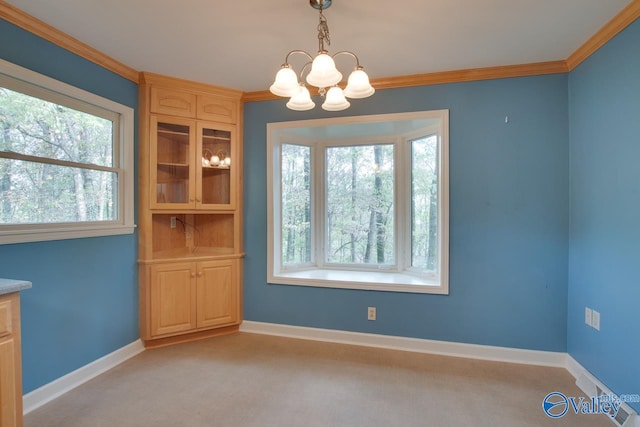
304, 67
346, 52
286, 59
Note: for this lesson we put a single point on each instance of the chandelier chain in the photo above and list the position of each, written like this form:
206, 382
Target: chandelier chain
323, 32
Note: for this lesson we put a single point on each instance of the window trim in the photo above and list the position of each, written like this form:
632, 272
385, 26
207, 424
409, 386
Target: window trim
123, 161
347, 277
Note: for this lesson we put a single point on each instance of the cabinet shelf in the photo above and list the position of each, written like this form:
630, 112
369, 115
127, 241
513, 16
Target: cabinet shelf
176, 165
173, 132
221, 138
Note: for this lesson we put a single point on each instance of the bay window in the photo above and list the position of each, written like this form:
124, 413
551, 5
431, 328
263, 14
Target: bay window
360, 202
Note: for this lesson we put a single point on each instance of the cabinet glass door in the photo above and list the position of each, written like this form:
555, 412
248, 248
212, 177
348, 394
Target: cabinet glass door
172, 167
216, 174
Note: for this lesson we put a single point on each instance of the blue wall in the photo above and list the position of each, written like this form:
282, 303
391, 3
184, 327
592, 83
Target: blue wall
84, 300
604, 262
508, 221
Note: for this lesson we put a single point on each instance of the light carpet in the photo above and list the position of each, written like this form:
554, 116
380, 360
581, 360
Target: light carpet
257, 380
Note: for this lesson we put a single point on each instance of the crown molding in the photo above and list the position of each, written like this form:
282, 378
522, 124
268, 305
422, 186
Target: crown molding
472, 74
35, 26
178, 83
619, 22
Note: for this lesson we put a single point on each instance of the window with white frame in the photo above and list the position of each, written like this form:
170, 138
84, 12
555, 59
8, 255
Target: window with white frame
66, 160
360, 202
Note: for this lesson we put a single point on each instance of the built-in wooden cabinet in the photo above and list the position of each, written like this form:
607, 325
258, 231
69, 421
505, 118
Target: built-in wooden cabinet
10, 361
190, 186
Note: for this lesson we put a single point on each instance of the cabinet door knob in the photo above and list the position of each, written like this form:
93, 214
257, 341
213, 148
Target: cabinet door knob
193, 274
200, 274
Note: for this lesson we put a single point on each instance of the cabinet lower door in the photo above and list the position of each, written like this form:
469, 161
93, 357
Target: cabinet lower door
218, 290
173, 298
8, 397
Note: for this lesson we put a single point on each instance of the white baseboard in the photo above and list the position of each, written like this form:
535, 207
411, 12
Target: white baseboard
587, 382
473, 351
574, 368
56, 388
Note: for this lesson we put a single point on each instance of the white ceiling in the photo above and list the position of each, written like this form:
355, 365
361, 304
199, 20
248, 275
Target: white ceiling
242, 43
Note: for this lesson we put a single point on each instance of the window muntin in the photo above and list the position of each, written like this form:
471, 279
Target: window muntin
412, 163
66, 160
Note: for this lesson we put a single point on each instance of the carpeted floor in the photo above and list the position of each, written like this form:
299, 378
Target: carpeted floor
254, 380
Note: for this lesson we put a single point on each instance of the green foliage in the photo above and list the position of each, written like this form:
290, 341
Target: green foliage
33, 190
296, 204
360, 197
424, 194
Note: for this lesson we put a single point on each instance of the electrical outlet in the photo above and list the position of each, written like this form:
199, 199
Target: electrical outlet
595, 320
173, 222
371, 313
588, 316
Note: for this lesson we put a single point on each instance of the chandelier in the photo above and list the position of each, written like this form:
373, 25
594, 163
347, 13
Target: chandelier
323, 74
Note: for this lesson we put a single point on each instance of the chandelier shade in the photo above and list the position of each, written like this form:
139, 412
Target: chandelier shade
335, 100
322, 73
358, 85
286, 83
301, 100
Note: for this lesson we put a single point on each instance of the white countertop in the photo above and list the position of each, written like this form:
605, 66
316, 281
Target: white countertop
9, 285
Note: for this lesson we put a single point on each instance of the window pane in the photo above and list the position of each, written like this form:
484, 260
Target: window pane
43, 193
41, 128
296, 204
424, 203
359, 205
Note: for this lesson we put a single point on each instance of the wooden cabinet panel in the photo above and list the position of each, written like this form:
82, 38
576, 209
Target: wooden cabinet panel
175, 103
173, 298
5, 318
217, 108
8, 397
10, 362
217, 293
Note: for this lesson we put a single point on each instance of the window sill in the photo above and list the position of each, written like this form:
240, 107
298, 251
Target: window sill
34, 234
367, 280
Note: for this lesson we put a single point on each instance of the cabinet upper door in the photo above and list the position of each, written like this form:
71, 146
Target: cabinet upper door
217, 108
217, 172
172, 163
173, 102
